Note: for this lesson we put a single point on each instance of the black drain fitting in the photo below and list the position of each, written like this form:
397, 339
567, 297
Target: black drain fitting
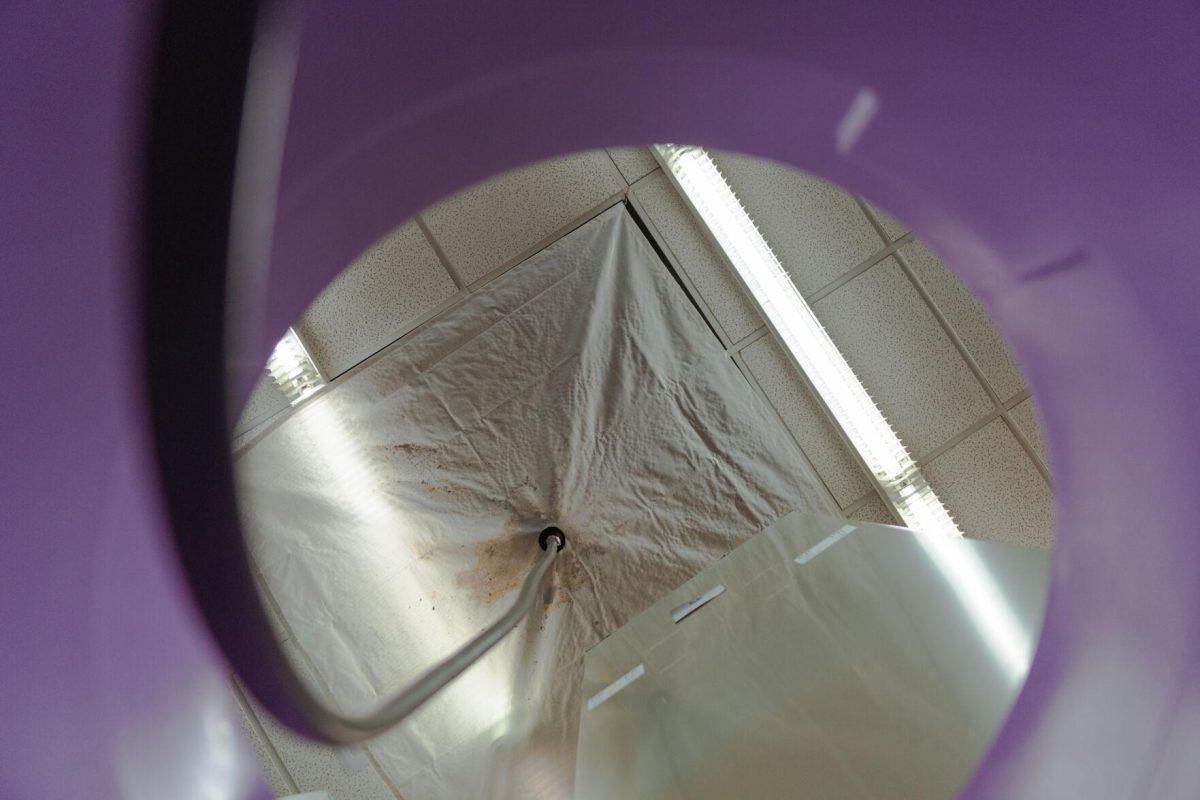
552, 533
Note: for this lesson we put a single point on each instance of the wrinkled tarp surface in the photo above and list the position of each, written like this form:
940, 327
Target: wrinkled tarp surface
396, 513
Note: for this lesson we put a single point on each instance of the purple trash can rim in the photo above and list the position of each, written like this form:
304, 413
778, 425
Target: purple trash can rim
1001, 287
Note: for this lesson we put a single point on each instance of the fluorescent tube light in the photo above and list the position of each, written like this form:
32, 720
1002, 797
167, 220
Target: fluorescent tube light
293, 369
806, 340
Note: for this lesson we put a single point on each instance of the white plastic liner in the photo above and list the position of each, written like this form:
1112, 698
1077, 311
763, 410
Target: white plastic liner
860, 661
396, 513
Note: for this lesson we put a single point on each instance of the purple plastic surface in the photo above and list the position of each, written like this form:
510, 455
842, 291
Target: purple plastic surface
1049, 153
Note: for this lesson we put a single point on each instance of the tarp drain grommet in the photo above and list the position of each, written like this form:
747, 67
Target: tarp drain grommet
552, 532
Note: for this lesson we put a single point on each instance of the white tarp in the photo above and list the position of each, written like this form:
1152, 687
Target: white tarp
396, 513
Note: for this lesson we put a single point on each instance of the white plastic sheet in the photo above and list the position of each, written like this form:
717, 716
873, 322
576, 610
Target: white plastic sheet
396, 513
841, 661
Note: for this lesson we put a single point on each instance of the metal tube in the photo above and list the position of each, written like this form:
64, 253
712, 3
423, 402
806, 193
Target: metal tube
340, 729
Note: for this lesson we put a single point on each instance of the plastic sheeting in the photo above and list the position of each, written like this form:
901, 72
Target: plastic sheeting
839, 661
396, 513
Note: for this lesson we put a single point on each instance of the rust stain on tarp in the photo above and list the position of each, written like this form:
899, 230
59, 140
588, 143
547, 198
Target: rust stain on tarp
502, 563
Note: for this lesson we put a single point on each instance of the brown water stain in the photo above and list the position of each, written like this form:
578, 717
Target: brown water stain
580, 563
422, 457
431, 488
501, 564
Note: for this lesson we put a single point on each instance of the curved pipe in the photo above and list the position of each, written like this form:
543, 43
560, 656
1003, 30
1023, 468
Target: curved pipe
341, 729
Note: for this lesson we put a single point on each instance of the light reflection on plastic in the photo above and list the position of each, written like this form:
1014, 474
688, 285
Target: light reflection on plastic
806, 339
378, 529
224, 765
186, 747
1009, 642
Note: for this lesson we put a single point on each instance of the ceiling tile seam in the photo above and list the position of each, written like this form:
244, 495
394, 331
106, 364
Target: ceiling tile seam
415, 324
997, 408
743, 368
648, 177
247, 439
677, 263
862, 502
285, 634
749, 339
857, 505
387, 779
625, 180
260, 731
877, 493
934, 453
628, 183
616, 169
756, 387
258, 423
949, 447
428, 319
878, 223
432, 241
862, 267
264, 591
955, 339
1017, 399
1030, 451
889, 249
1002, 408
546, 241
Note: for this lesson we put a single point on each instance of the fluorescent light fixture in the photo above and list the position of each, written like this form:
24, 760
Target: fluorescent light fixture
293, 369
797, 327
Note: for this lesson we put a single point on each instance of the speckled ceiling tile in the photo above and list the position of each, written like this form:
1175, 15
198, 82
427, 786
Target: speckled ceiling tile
270, 769
874, 510
712, 276
375, 300
967, 318
817, 231
265, 402
316, 766
901, 354
493, 223
801, 413
634, 162
993, 490
1029, 422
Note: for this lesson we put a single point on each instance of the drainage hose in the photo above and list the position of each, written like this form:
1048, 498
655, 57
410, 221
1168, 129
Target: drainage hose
346, 730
